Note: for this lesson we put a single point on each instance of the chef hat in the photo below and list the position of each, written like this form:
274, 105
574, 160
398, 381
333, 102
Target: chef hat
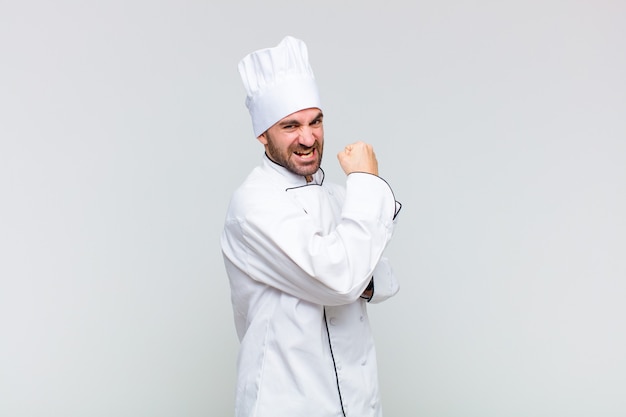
279, 81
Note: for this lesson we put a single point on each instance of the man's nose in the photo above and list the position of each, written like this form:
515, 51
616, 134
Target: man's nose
307, 137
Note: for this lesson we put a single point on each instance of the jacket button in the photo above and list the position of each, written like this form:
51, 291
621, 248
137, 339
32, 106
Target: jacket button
332, 321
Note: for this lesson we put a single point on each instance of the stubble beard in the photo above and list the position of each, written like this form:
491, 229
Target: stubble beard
283, 158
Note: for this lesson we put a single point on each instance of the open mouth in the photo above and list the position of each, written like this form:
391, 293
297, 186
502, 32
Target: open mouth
305, 155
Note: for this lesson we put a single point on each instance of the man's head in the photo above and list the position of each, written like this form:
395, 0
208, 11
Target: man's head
296, 141
284, 105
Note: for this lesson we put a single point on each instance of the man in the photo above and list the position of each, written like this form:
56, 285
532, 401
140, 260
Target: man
303, 256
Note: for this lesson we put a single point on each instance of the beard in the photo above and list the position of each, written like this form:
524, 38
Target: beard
288, 159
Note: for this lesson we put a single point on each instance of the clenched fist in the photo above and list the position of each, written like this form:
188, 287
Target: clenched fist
358, 157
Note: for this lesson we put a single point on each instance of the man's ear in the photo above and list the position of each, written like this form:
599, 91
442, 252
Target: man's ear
262, 138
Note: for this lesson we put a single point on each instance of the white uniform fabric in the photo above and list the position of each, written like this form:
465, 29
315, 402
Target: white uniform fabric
298, 257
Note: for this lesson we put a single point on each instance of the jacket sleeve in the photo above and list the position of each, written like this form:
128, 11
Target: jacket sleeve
385, 282
288, 252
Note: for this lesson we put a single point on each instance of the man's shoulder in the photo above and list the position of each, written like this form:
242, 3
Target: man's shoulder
264, 191
257, 190
259, 181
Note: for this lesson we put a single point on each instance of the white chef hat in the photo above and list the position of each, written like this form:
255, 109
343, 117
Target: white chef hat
279, 81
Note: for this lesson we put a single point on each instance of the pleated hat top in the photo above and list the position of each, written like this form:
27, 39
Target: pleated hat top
279, 81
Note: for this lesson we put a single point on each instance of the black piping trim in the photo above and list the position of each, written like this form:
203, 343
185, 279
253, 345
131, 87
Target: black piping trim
271, 160
396, 202
309, 185
332, 355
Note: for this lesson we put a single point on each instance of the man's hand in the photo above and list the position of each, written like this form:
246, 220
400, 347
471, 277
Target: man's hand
358, 157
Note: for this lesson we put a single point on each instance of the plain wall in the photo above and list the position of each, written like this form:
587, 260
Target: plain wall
500, 126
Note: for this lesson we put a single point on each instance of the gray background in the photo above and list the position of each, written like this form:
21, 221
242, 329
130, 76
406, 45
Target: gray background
500, 125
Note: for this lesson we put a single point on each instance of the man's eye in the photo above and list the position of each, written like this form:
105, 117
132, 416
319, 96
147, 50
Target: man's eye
316, 122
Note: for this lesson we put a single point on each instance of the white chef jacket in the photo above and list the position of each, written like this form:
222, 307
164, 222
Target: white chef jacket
298, 258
